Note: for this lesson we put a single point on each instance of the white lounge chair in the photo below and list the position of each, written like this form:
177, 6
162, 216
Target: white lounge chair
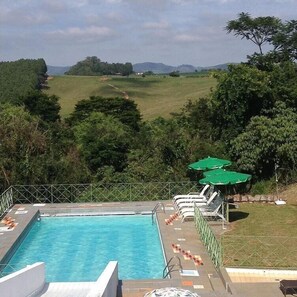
207, 211
204, 195
190, 202
206, 207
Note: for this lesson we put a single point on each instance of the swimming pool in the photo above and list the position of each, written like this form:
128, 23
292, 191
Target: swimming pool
79, 248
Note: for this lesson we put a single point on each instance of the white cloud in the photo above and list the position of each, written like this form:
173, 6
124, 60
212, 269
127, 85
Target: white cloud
21, 17
156, 25
92, 33
219, 1
187, 38
55, 6
113, 1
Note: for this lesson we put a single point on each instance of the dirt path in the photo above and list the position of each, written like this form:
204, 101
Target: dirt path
126, 96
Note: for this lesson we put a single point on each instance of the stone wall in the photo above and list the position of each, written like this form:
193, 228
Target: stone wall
250, 198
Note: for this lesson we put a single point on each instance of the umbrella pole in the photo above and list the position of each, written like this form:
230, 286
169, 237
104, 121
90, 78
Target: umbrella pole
227, 212
276, 179
227, 206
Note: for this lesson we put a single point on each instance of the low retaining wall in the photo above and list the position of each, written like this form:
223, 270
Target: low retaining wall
25, 282
256, 198
107, 283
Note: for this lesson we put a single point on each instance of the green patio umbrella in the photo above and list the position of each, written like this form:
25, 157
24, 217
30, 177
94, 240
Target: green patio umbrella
209, 163
224, 177
213, 172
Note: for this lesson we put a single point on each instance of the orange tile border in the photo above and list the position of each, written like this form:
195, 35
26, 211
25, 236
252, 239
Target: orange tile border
187, 283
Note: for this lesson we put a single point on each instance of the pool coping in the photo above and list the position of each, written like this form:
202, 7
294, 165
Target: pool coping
11, 239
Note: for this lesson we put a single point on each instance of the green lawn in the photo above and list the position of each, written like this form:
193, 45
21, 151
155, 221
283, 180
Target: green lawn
154, 95
262, 235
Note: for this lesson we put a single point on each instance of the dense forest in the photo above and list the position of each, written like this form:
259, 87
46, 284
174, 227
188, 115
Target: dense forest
249, 118
94, 66
21, 77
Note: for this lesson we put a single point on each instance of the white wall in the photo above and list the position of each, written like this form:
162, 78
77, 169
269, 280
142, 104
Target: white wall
107, 283
23, 283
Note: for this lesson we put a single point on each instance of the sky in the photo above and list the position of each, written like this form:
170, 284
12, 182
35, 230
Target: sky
173, 32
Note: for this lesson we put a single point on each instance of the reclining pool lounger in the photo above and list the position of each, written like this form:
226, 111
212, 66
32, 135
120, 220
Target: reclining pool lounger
288, 286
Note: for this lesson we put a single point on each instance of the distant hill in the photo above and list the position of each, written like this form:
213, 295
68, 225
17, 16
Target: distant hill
154, 67
57, 70
219, 66
147, 66
162, 68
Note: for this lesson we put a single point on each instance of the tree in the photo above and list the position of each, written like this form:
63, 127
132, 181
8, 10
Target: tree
197, 115
160, 153
23, 147
283, 81
34, 153
241, 93
63, 162
20, 77
94, 66
259, 30
266, 140
103, 141
124, 110
42, 105
163, 149
285, 41
174, 74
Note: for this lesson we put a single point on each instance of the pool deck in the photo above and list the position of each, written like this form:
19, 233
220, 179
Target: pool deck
204, 279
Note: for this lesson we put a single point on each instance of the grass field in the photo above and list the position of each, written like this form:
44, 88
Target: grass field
262, 235
155, 96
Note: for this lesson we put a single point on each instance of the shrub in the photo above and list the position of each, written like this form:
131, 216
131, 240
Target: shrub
263, 187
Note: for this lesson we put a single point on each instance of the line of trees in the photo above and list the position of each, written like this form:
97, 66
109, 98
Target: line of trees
19, 78
94, 66
250, 117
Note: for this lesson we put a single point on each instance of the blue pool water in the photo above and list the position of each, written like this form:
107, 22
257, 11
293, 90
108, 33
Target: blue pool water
79, 248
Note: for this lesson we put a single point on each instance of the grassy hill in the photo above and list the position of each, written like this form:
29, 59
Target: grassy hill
154, 95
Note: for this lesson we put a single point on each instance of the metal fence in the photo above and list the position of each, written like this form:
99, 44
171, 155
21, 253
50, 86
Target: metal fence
6, 200
104, 192
259, 251
209, 239
269, 252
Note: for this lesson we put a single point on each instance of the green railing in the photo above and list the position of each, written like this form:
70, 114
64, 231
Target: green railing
212, 244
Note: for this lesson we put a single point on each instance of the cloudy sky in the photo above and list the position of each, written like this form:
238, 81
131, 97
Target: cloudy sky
173, 32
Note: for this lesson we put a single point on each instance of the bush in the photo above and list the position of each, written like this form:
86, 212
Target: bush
263, 187
174, 74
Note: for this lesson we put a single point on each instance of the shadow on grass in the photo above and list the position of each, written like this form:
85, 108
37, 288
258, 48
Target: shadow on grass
237, 215
135, 82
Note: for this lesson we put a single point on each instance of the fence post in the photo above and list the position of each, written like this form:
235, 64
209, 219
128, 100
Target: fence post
92, 193
11, 195
221, 250
52, 196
